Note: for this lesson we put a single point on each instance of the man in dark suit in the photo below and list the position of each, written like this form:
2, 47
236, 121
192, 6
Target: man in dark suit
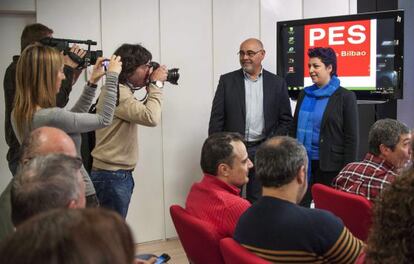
252, 102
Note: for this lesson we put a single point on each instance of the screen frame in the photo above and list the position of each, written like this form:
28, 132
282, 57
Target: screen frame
398, 49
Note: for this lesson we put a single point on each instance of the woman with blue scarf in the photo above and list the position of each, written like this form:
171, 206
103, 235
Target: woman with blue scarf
325, 121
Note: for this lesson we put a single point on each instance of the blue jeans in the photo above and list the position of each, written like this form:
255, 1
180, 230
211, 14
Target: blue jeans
114, 189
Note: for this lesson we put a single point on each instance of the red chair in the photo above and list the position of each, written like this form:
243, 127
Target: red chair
361, 259
354, 210
199, 239
234, 253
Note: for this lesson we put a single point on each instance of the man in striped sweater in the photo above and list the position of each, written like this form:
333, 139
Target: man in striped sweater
216, 198
276, 228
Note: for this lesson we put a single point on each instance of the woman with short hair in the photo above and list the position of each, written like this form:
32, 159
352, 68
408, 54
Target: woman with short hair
325, 120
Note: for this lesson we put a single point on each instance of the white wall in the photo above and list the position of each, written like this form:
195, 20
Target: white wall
186, 35
321, 8
202, 38
19, 6
233, 22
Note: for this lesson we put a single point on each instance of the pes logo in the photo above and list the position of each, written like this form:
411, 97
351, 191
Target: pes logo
350, 40
336, 35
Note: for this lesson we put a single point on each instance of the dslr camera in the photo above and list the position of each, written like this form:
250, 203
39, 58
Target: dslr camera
172, 76
63, 45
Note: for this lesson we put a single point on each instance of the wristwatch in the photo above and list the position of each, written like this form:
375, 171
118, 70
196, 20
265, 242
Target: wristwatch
92, 85
158, 83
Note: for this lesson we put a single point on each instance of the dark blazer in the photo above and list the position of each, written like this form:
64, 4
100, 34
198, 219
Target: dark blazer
228, 112
338, 138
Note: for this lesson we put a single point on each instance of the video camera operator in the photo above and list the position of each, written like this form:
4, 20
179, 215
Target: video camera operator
116, 150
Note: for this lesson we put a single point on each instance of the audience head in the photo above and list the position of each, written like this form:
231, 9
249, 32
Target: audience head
39, 73
327, 56
46, 140
391, 140
412, 147
135, 67
391, 239
44, 183
33, 33
224, 155
282, 161
251, 55
88, 236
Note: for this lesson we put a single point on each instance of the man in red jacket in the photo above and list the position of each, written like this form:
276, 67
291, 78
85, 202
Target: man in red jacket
216, 198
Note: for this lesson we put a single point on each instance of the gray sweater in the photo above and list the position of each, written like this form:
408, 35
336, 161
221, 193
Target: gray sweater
77, 120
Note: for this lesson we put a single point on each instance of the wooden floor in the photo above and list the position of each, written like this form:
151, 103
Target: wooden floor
171, 246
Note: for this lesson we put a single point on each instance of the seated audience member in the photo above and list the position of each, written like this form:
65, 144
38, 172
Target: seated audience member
389, 143
45, 183
216, 198
41, 141
46, 140
278, 229
412, 149
392, 233
87, 236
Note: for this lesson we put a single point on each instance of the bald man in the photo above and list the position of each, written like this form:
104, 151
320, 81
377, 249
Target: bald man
46, 140
41, 141
252, 102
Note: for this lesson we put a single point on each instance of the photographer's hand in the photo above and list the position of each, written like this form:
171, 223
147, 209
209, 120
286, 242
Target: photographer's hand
78, 52
160, 74
74, 65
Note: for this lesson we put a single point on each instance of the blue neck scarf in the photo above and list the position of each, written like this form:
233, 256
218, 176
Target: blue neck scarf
305, 119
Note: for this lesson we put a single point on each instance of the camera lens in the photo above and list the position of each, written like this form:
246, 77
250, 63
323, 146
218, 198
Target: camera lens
173, 76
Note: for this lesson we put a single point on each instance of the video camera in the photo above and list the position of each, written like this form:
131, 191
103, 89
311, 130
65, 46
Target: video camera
63, 45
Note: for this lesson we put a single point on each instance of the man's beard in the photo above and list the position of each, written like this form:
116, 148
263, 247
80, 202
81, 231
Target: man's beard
247, 68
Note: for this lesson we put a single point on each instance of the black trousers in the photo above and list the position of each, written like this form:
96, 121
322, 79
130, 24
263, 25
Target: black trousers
254, 187
318, 176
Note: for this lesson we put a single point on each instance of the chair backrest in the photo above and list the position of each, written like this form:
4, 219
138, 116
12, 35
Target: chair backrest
354, 210
234, 253
361, 259
200, 239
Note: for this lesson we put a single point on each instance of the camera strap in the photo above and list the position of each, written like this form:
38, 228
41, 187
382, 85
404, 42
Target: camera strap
134, 89
75, 58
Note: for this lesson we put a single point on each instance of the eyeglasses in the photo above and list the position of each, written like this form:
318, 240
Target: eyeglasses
249, 53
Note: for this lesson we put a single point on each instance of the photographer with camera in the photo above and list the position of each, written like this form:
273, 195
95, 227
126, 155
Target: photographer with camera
116, 150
